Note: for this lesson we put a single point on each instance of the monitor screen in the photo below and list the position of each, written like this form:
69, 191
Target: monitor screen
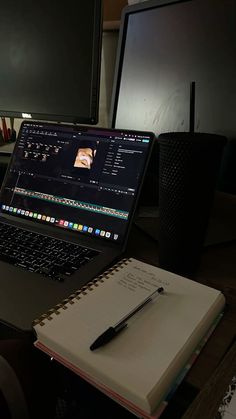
163, 47
50, 59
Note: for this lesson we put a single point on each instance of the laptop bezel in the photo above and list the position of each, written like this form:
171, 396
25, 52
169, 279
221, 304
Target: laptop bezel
55, 231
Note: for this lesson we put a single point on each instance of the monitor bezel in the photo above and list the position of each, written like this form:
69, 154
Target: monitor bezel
94, 90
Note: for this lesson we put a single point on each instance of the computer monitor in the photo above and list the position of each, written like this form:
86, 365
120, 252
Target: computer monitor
50, 60
164, 46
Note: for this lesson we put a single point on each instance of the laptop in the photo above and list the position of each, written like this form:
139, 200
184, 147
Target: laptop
67, 203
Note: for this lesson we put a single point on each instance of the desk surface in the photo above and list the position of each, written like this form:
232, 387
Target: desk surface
217, 269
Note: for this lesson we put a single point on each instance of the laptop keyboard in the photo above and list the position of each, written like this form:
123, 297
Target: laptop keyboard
41, 254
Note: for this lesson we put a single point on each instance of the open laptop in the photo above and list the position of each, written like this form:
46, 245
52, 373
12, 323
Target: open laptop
67, 202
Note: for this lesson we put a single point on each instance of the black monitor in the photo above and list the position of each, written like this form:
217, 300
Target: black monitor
50, 59
164, 46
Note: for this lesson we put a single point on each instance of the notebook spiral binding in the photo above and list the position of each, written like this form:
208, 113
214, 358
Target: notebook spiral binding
77, 295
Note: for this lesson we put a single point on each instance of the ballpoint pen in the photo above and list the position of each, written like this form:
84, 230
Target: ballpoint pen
4, 129
12, 123
114, 330
13, 131
1, 136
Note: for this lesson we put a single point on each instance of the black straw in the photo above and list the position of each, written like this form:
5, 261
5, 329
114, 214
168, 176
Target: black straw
192, 107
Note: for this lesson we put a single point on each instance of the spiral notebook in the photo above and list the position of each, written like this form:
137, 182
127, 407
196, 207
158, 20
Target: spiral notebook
139, 366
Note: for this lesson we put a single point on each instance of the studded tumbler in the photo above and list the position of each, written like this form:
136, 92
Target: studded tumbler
188, 169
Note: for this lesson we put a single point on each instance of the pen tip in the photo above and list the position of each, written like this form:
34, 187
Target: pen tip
92, 347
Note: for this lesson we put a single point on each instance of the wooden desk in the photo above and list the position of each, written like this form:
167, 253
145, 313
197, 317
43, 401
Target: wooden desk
207, 402
217, 269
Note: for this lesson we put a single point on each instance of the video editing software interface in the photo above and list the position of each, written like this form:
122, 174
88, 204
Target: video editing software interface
78, 178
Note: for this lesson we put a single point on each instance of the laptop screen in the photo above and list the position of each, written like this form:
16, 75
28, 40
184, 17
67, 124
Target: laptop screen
79, 178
